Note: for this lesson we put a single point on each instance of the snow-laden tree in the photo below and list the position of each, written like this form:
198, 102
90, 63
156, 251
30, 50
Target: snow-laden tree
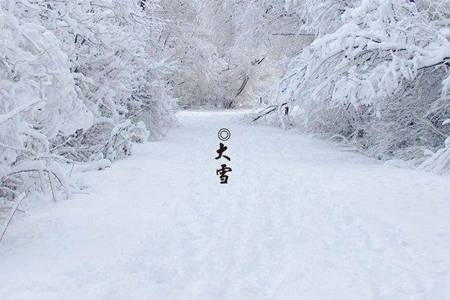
438, 13
379, 80
254, 40
189, 41
320, 17
118, 77
79, 82
38, 102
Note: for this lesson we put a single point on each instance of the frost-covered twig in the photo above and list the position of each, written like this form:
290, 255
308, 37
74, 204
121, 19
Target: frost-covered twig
10, 215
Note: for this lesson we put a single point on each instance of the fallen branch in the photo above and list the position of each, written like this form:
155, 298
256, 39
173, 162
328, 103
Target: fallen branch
268, 111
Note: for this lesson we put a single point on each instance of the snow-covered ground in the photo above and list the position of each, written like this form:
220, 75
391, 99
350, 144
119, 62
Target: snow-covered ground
300, 219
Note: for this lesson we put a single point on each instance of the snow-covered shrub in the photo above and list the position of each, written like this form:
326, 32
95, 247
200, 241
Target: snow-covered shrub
438, 162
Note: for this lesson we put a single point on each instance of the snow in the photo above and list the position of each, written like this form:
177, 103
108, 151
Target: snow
300, 219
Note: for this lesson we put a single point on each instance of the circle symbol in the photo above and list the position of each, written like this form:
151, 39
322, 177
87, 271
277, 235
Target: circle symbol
224, 134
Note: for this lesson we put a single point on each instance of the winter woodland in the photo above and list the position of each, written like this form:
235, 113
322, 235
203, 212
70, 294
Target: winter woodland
83, 82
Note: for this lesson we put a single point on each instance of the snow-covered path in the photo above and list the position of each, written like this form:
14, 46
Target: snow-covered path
299, 220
